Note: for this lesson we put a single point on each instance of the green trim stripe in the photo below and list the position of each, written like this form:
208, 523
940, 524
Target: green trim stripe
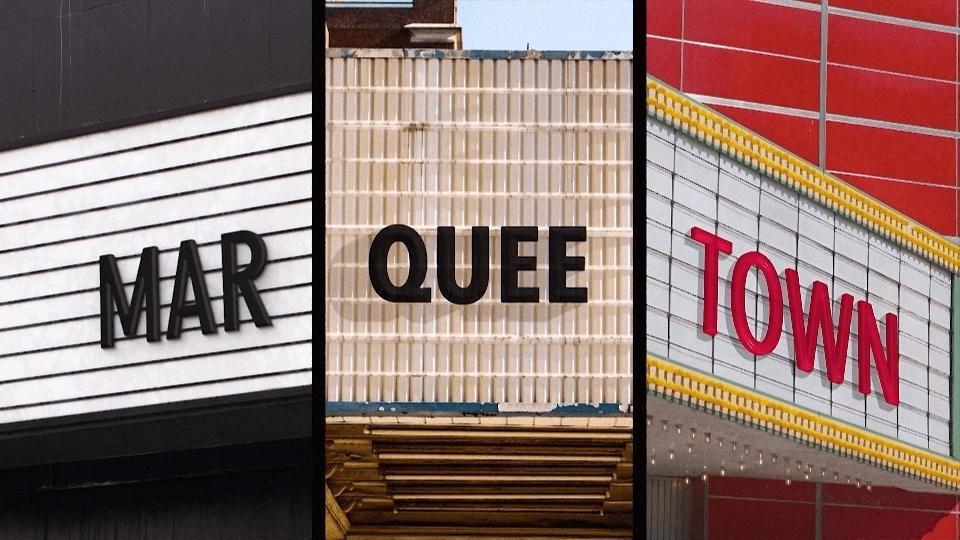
955, 369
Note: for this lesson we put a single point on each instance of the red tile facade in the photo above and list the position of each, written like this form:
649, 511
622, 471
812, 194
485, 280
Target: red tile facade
889, 73
745, 508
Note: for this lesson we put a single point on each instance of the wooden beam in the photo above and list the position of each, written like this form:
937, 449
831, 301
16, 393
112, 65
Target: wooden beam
549, 435
496, 479
389, 456
336, 520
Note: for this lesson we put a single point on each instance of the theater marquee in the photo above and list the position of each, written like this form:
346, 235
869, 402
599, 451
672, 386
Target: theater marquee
763, 285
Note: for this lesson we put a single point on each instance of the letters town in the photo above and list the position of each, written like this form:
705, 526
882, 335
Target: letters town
512, 264
805, 328
236, 283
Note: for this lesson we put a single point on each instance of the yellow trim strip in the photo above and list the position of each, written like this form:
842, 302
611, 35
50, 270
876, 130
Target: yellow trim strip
674, 108
672, 380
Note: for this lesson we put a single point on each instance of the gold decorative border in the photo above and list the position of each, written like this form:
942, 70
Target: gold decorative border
670, 106
700, 390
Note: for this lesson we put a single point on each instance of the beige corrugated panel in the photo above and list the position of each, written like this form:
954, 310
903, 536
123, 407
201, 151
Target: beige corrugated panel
468, 141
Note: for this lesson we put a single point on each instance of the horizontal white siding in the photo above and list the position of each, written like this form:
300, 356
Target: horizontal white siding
471, 142
690, 185
197, 176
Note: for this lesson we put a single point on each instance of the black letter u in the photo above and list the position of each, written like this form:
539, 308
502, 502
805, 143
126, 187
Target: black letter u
446, 265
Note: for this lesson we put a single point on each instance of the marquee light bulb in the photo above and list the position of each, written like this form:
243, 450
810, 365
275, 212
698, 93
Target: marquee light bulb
689, 448
761, 458
719, 442
746, 449
649, 419
788, 481
741, 466
665, 425
678, 429
706, 438
806, 476
734, 446
836, 476
686, 479
670, 455
693, 433
653, 460
723, 471
869, 487
703, 477
858, 482
773, 459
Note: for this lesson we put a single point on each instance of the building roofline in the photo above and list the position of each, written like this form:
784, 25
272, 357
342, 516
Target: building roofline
478, 54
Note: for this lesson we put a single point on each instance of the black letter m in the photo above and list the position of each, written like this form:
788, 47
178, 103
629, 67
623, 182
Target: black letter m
113, 294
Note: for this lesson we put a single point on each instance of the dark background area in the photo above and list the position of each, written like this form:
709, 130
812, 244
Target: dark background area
232, 467
74, 66
247, 492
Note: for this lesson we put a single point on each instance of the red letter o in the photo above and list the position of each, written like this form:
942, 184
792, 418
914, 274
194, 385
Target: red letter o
739, 290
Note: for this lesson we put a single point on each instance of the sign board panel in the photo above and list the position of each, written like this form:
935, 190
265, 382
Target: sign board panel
690, 185
487, 141
196, 177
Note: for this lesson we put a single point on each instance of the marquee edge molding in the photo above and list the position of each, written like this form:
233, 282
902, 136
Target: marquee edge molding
698, 390
735, 141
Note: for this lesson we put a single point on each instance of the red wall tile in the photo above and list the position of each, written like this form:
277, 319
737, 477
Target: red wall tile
932, 206
797, 134
746, 519
663, 17
889, 497
894, 154
845, 522
891, 47
935, 11
753, 25
882, 96
762, 489
750, 76
663, 60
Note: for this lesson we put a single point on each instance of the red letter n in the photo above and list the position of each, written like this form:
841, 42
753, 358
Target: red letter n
888, 365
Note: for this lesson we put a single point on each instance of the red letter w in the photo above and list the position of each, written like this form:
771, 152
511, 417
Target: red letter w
821, 316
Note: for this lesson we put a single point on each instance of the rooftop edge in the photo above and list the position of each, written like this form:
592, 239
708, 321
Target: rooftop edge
480, 54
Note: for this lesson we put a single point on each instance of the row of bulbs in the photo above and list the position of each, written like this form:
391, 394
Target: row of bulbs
807, 471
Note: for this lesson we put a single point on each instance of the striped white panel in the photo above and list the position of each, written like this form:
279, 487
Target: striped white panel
197, 176
694, 186
473, 157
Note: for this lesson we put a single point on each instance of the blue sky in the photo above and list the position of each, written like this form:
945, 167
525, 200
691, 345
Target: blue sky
546, 24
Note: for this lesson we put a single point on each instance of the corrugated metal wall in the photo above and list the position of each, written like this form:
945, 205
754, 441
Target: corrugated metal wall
467, 141
193, 177
669, 509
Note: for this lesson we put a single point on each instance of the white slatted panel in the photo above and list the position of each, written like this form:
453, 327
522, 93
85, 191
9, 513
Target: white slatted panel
198, 176
479, 142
